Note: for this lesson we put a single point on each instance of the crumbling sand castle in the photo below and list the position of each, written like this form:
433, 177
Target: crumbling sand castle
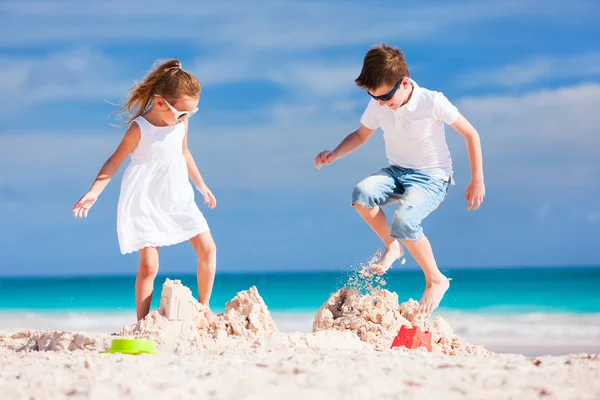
181, 324
377, 318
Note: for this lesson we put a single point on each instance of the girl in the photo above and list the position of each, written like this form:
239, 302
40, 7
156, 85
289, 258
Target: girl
156, 204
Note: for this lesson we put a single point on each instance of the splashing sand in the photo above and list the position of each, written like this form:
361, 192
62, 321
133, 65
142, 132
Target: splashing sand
362, 279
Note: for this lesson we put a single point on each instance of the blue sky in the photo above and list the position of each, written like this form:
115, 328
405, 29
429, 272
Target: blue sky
278, 88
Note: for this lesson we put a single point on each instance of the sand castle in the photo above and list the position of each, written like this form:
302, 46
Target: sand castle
182, 325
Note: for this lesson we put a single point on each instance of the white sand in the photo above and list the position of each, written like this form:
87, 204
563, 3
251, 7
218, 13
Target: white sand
242, 355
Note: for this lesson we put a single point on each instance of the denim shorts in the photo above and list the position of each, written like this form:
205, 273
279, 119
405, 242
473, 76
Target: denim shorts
416, 193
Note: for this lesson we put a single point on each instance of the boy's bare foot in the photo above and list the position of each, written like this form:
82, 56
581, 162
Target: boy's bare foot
433, 294
392, 252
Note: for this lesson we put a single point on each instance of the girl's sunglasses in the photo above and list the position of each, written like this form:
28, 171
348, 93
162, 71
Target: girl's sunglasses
387, 96
179, 115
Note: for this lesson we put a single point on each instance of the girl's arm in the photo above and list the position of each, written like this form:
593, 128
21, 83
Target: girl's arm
111, 166
194, 173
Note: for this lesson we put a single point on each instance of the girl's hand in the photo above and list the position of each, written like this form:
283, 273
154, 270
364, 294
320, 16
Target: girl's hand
209, 198
82, 207
475, 194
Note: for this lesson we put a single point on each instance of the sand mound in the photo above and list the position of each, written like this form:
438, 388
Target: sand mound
376, 318
177, 325
181, 323
29, 340
246, 315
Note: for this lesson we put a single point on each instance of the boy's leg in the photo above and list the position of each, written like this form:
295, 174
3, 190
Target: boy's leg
376, 219
144, 281
379, 188
436, 284
422, 196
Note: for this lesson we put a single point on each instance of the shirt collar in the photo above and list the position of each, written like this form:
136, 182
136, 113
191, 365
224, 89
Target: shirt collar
414, 99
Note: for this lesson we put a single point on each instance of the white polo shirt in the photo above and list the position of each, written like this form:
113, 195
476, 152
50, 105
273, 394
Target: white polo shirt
414, 134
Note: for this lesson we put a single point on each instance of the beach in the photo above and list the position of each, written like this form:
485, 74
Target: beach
244, 354
242, 372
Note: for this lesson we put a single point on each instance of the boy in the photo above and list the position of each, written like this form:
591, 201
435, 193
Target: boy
420, 171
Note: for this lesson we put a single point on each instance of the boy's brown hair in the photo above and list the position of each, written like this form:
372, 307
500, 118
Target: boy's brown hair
383, 65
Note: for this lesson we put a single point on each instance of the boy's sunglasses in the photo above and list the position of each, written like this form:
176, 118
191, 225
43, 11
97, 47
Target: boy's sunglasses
389, 95
179, 115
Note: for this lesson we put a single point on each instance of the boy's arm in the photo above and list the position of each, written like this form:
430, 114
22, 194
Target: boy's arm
476, 189
350, 143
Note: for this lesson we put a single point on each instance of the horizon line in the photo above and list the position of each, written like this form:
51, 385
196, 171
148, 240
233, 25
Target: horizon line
294, 271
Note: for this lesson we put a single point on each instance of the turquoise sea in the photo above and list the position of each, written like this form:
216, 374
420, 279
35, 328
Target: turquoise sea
552, 290
555, 310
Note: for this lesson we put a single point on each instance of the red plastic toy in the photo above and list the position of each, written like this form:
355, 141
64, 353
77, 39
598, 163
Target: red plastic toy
412, 338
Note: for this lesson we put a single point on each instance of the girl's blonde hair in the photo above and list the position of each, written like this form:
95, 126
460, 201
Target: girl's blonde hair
167, 80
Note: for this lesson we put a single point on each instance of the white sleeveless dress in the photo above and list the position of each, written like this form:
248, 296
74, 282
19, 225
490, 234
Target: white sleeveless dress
156, 204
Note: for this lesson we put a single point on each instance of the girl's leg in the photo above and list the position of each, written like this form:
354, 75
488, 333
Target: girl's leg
206, 250
144, 282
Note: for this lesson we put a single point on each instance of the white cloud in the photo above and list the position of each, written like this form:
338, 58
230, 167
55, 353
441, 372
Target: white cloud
268, 25
563, 120
52, 157
292, 70
318, 79
544, 138
227, 67
543, 210
592, 217
279, 42
80, 73
540, 140
540, 69
277, 155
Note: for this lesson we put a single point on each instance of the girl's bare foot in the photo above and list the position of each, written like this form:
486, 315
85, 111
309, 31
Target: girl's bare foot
433, 294
210, 316
393, 252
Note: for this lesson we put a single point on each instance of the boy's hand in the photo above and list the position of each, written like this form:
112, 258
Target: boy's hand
475, 194
324, 157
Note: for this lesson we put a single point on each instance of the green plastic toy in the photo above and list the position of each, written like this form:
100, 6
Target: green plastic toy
131, 346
